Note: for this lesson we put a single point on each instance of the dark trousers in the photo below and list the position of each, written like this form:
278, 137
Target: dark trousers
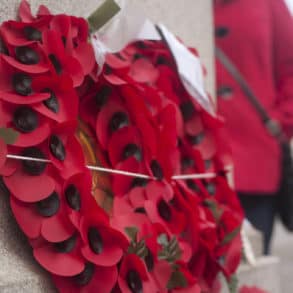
260, 210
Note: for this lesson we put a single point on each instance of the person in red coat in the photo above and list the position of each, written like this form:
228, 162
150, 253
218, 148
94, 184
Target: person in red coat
258, 38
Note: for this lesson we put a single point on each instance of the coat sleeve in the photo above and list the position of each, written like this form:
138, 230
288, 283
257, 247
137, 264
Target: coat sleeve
282, 26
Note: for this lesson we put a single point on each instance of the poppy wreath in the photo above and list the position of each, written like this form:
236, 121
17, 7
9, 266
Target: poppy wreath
112, 233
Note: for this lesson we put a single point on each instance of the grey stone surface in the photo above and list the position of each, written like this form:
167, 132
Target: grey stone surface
264, 275
256, 239
18, 270
282, 247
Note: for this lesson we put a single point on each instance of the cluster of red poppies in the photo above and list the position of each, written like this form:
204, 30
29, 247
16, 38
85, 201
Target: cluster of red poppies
155, 235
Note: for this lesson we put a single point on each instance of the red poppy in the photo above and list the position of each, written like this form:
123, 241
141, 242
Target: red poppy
29, 29
110, 119
17, 87
66, 153
62, 104
41, 216
62, 258
103, 245
78, 195
29, 58
3, 153
133, 276
92, 279
161, 211
61, 62
125, 142
33, 128
73, 32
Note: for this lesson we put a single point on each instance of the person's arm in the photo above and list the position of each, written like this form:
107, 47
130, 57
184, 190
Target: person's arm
282, 25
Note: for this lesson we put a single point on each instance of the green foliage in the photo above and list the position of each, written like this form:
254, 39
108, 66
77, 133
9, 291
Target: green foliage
171, 251
8, 135
177, 280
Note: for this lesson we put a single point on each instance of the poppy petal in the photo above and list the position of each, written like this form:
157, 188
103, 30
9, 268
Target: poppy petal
28, 188
26, 217
57, 228
62, 264
3, 153
110, 256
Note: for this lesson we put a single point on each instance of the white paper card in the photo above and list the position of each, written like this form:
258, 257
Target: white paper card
189, 68
128, 25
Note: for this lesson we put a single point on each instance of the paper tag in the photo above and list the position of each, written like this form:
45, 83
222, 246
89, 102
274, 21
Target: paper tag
128, 25
189, 69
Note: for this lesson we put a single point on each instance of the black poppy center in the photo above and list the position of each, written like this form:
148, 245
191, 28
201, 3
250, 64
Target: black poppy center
86, 275
102, 96
32, 33
134, 281
95, 240
141, 45
187, 162
21, 83
196, 139
208, 164
56, 63
27, 55
221, 31
57, 148
49, 206
52, 102
192, 185
25, 119
162, 60
139, 182
187, 110
164, 210
67, 245
73, 197
149, 261
211, 188
157, 170
137, 56
131, 150
118, 120
33, 167
140, 210
3, 48
3, 188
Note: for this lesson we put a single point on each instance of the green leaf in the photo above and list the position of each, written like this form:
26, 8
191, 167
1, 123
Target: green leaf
171, 251
214, 208
177, 280
103, 14
141, 249
131, 232
233, 284
229, 237
8, 135
163, 240
173, 244
138, 248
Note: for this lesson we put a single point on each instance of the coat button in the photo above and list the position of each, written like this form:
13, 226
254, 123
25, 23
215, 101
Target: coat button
221, 31
225, 92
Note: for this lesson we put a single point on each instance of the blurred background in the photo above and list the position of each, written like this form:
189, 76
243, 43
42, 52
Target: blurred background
290, 5
283, 241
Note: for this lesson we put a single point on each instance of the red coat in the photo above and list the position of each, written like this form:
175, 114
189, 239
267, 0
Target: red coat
258, 36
